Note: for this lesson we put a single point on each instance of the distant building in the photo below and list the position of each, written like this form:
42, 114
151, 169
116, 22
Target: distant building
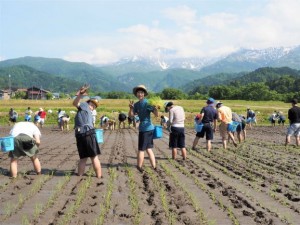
36, 93
4, 94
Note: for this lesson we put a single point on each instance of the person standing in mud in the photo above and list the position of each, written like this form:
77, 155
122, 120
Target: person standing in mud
225, 117
26, 141
87, 145
294, 128
177, 135
209, 117
146, 128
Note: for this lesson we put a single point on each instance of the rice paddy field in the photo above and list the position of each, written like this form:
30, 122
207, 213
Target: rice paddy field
257, 182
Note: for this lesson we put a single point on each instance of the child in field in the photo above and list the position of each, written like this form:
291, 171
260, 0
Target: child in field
146, 128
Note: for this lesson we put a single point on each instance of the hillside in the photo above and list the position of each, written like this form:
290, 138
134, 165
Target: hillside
25, 77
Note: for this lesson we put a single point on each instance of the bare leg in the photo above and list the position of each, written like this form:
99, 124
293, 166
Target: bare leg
224, 142
230, 134
298, 141
140, 158
174, 153
97, 166
81, 166
151, 157
36, 164
208, 145
13, 167
195, 142
183, 152
287, 140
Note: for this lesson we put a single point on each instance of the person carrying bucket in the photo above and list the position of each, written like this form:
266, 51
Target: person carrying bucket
85, 134
26, 142
225, 117
177, 135
208, 118
146, 128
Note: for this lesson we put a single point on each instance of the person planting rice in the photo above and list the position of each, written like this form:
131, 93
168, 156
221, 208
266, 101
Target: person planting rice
146, 128
26, 141
87, 145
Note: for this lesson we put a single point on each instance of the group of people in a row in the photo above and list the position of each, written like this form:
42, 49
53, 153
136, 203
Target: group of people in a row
27, 135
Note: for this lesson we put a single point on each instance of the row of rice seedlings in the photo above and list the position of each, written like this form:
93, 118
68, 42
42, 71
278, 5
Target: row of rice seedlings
10, 209
224, 170
79, 198
251, 184
178, 183
206, 190
40, 208
163, 196
134, 203
107, 198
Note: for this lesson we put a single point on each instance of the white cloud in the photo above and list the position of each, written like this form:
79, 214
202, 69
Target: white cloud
189, 34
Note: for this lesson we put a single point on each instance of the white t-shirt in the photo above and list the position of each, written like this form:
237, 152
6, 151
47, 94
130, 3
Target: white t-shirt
25, 128
94, 114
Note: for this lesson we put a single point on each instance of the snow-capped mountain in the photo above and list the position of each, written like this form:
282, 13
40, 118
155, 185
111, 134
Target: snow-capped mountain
241, 60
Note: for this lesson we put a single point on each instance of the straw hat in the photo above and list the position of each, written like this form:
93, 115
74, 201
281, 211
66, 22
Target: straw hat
94, 101
140, 87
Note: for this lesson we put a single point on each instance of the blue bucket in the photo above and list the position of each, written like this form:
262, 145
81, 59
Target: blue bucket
232, 126
198, 127
7, 144
158, 132
99, 135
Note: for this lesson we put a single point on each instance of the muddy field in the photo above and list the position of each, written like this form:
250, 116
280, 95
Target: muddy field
255, 183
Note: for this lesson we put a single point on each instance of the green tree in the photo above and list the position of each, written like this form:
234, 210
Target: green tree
172, 93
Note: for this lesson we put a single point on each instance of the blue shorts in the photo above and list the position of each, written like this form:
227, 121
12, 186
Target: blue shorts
145, 140
208, 130
177, 137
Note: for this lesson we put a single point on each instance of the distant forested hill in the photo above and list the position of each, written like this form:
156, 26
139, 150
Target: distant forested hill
25, 77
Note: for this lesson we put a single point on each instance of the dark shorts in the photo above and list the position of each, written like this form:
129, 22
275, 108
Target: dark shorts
177, 137
87, 145
208, 130
145, 140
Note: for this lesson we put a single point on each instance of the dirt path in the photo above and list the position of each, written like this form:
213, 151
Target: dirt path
255, 183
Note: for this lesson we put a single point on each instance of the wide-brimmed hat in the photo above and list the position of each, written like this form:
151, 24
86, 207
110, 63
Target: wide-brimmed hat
94, 101
140, 87
167, 104
219, 104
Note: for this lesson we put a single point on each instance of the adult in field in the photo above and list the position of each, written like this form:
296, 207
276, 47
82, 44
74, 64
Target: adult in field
13, 116
122, 118
243, 127
225, 117
146, 128
294, 118
26, 141
64, 122
87, 145
164, 121
27, 116
43, 116
281, 118
208, 118
177, 135
239, 128
251, 118
273, 118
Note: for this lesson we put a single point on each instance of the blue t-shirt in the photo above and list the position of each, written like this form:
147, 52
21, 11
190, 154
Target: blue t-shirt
143, 109
210, 114
83, 118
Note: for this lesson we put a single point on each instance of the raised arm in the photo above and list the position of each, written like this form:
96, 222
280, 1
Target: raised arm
80, 92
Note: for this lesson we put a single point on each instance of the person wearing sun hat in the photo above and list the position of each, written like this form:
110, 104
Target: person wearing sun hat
208, 118
146, 128
86, 142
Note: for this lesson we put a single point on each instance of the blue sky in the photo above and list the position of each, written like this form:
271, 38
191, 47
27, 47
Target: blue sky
103, 31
